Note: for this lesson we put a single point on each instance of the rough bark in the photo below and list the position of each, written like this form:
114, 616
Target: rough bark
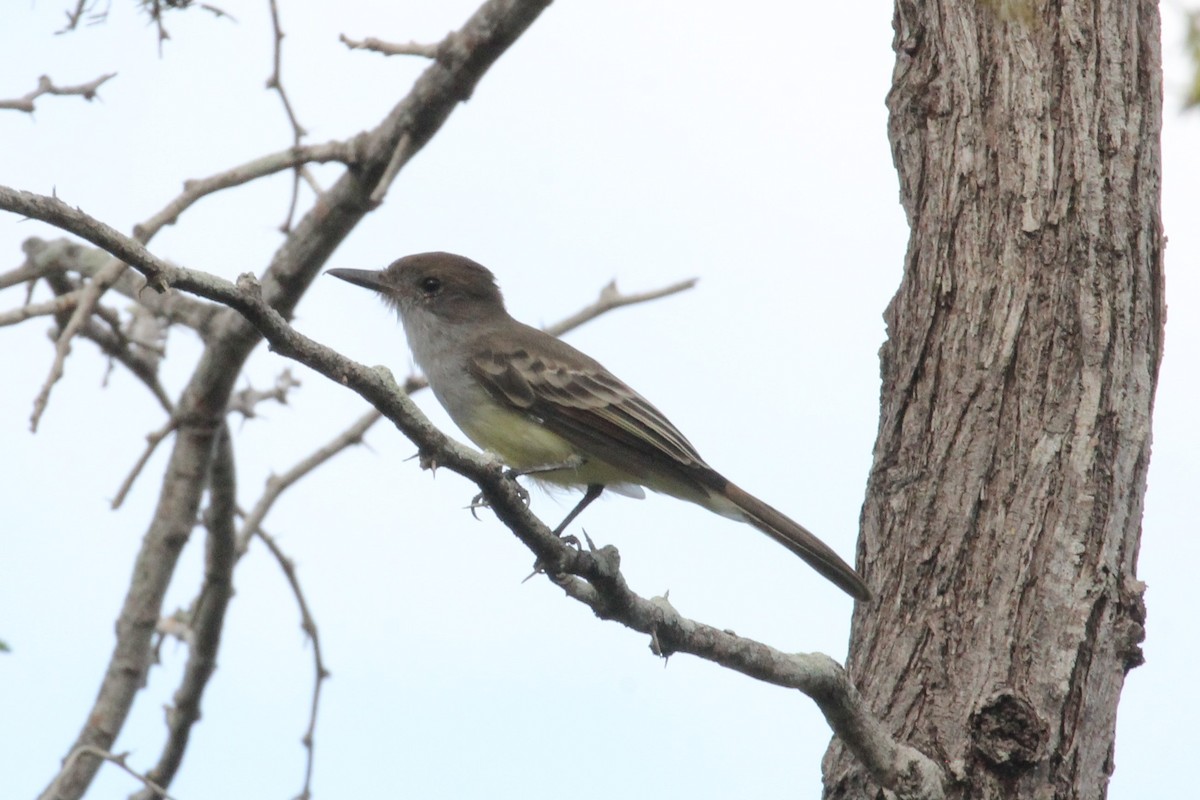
1001, 525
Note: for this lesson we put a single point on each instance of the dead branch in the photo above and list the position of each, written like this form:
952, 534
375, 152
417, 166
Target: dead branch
611, 298
86, 304
208, 617
389, 48
320, 674
278, 484
245, 401
47, 259
590, 577
114, 346
119, 760
46, 86
59, 305
153, 440
252, 526
230, 340
276, 82
291, 158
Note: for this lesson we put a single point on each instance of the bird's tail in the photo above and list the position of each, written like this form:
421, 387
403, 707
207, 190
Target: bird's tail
795, 537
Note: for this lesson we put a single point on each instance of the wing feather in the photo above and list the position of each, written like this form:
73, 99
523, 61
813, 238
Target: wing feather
587, 405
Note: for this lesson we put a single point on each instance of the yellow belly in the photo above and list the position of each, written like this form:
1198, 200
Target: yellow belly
523, 444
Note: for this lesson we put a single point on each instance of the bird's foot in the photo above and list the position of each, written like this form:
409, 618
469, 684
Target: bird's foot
479, 501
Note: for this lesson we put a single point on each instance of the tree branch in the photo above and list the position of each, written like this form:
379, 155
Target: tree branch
320, 674
335, 151
208, 615
153, 440
278, 484
46, 86
611, 298
276, 82
389, 48
252, 526
230, 340
120, 761
591, 577
89, 298
59, 305
47, 259
114, 346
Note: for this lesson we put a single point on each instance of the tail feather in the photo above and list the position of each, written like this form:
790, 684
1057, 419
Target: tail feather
795, 537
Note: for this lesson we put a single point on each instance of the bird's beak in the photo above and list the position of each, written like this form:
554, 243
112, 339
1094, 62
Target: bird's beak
366, 278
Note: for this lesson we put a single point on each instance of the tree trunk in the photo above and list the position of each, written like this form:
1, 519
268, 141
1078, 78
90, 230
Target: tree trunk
1001, 524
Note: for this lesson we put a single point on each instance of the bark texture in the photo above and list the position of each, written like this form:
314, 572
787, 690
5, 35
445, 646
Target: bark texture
1003, 514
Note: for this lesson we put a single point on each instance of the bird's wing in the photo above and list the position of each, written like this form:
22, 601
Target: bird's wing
578, 399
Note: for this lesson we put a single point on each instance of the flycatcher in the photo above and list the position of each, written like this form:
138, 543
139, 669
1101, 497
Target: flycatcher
550, 411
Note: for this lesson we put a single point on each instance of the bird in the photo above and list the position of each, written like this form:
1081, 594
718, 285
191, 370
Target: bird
552, 412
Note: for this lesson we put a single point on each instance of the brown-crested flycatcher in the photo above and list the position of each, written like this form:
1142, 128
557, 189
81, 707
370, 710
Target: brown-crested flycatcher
539, 403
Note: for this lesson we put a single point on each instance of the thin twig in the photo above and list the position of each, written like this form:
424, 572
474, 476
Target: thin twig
252, 526
390, 48
245, 402
611, 298
50, 259
142, 368
309, 625
153, 440
46, 86
87, 303
294, 157
276, 82
278, 484
74, 16
104, 755
404, 151
60, 304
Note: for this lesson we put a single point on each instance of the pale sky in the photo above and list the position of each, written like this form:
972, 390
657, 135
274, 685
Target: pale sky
614, 140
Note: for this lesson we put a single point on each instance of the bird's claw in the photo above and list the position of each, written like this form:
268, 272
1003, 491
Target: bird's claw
479, 501
512, 475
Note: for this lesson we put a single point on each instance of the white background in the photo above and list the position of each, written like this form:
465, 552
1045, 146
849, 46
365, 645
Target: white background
616, 139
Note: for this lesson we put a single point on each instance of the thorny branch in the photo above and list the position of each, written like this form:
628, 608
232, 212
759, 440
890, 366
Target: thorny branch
229, 341
592, 577
245, 401
276, 82
320, 673
54, 259
46, 86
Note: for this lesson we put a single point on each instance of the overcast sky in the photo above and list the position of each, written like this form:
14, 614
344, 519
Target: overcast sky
614, 140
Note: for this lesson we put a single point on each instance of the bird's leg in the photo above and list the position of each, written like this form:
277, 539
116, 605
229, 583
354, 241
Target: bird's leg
593, 491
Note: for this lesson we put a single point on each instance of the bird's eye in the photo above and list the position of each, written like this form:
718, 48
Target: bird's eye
431, 286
